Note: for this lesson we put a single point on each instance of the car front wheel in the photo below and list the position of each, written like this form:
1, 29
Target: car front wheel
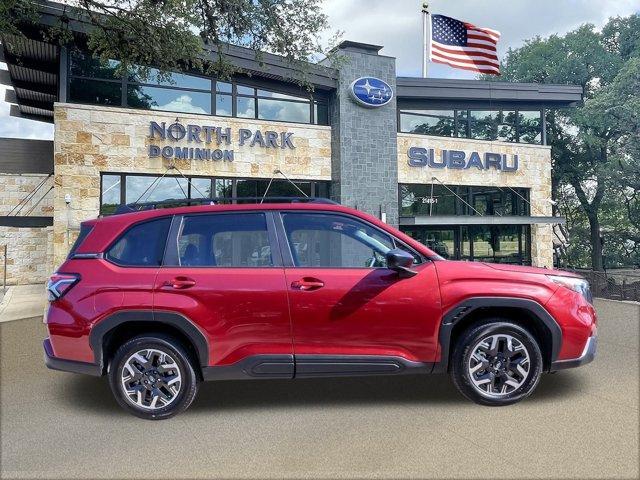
152, 377
496, 363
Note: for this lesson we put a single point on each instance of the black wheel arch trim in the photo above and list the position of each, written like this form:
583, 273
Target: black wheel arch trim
173, 319
470, 305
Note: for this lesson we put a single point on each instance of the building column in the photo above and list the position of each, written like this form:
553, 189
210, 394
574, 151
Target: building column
364, 140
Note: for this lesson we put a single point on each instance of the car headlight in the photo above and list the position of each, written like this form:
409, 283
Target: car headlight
579, 285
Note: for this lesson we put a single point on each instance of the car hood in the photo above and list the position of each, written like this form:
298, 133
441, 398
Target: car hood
523, 269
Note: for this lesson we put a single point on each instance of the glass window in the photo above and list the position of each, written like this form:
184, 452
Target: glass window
267, 93
529, 127
247, 188
83, 64
242, 90
224, 105
462, 119
245, 107
418, 200
95, 92
238, 240
321, 113
157, 98
428, 122
283, 188
506, 124
142, 245
283, 111
323, 240
499, 243
152, 75
484, 125
224, 87
111, 189
223, 188
200, 188
142, 189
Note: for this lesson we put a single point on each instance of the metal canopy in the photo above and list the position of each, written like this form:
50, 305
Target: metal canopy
33, 74
479, 220
469, 92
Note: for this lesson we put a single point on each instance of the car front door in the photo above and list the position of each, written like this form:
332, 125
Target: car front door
349, 312
224, 272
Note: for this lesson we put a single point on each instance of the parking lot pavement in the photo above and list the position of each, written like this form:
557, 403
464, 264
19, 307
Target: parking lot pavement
580, 423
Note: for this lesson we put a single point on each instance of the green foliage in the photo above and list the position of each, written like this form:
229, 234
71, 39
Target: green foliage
595, 147
172, 35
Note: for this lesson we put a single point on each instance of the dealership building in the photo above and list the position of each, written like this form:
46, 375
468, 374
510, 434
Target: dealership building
461, 165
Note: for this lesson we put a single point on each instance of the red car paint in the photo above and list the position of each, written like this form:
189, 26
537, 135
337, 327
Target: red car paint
298, 311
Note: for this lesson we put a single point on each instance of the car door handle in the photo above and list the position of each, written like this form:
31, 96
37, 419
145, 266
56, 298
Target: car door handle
307, 283
180, 283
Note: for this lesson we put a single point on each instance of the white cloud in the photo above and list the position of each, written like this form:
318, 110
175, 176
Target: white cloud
397, 25
184, 103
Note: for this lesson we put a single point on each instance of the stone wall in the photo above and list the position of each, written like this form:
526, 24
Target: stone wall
93, 139
534, 173
28, 249
15, 188
28, 254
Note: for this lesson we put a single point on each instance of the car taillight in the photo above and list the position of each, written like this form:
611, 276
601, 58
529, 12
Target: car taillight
59, 284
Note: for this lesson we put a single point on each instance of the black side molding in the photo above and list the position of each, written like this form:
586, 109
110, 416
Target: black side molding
460, 311
256, 366
356, 365
174, 319
72, 366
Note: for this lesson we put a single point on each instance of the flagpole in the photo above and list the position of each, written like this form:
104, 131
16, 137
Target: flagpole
426, 38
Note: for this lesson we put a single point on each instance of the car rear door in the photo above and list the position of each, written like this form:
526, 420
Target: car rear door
345, 302
224, 272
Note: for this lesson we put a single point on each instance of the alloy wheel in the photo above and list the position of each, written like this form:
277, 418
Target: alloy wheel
151, 379
499, 364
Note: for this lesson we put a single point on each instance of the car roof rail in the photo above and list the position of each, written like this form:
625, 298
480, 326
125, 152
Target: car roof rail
186, 202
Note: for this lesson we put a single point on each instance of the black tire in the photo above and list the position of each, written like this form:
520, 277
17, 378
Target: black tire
461, 363
176, 352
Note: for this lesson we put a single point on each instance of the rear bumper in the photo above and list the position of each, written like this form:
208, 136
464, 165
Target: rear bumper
587, 356
63, 365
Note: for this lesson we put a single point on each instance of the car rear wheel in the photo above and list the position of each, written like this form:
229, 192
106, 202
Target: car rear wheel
152, 377
496, 363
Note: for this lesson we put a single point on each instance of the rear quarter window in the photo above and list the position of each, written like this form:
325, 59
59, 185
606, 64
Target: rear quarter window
142, 245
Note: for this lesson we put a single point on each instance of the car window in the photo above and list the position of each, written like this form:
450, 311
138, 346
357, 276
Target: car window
328, 240
142, 245
225, 240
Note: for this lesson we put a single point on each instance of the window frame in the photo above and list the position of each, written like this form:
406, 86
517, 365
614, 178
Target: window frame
462, 128
315, 185
171, 257
287, 255
125, 82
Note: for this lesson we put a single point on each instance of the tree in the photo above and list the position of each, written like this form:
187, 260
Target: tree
594, 146
172, 35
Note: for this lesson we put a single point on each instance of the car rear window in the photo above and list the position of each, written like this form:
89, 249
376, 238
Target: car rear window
141, 245
84, 231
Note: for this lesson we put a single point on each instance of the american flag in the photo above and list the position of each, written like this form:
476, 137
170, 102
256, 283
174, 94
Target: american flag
463, 45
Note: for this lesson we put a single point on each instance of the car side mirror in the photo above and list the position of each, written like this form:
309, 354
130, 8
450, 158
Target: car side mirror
400, 261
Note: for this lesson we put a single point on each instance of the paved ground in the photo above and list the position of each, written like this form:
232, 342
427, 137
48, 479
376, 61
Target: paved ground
22, 301
579, 424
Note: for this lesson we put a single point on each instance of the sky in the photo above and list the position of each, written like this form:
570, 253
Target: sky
397, 25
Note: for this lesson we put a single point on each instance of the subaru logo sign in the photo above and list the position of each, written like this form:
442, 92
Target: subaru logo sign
371, 92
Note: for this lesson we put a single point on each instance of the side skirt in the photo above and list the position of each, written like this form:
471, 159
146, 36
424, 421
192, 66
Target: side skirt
305, 366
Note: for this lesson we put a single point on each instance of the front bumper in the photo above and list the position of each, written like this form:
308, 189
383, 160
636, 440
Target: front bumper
54, 363
587, 356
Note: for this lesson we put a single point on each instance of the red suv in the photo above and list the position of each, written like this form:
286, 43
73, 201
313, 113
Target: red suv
159, 300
